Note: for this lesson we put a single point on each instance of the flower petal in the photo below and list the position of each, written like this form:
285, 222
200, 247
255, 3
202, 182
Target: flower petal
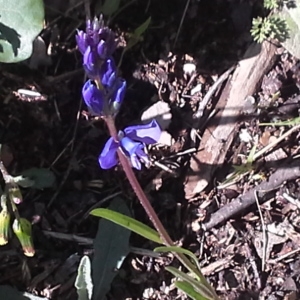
90, 62
119, 94
89, 58
108, 73
148, 133
102, 49
81, 41
135, 151
139, 156
135, 162
108, 36
93, 98
108, 157
142, 155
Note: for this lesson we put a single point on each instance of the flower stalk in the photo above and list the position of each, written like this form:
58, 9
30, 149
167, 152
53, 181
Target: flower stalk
166, 239
103, 94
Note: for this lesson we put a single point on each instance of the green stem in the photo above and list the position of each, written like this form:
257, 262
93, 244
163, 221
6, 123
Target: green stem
149, 209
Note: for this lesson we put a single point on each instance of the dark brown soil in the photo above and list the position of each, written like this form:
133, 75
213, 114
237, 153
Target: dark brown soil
58, 133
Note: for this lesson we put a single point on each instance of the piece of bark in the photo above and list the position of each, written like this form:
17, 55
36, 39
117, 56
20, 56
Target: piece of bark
240, 204
217, 138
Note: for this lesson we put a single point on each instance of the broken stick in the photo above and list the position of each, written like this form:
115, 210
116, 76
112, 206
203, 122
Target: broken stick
286, 172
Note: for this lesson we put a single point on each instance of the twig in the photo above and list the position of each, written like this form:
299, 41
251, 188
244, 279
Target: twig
253, 265
280, 258
102, 201
286, 172
66, 175
210, 93
181, 22
88, 241
291, 200
264, 232
276, 142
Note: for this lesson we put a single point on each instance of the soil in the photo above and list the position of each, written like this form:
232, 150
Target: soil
251, 254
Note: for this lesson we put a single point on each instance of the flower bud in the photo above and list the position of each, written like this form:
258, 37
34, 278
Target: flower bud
4, 226
22, 229
93, 98
107, 73
81, 39
90, 62
14, 193
119, 94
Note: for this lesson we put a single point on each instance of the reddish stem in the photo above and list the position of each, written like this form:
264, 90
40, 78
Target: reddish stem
149, 209
137, 188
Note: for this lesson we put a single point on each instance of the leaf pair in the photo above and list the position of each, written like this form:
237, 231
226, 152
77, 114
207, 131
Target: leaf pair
194, 286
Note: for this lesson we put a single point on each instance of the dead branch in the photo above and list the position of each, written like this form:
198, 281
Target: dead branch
239, 205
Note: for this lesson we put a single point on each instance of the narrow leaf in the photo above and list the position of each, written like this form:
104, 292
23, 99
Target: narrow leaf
111, 247
197, 285
250, 158
129, 223
189, 290
110, 6
136, 36
83, 282
179, 250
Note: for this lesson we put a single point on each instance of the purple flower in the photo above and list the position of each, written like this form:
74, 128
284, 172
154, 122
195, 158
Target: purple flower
93, 98
97, 36
132, 142
97, 44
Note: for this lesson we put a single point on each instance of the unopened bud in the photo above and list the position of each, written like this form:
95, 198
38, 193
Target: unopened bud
4, 226
22, 229
14, 193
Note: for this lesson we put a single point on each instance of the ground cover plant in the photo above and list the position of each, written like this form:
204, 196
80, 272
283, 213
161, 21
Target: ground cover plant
149, 150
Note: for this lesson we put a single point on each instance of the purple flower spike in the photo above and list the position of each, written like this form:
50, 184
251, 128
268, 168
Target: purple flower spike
97, 45
132, 143
93, 98
99, 38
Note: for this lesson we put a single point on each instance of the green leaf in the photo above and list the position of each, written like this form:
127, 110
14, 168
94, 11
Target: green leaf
292, 122
250, 158
109, 7
292, 17
83, 282
129, 223
9, 293
20, 24
179, 250
189, 290
136, 36
197, 285
38, 178
111, 247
